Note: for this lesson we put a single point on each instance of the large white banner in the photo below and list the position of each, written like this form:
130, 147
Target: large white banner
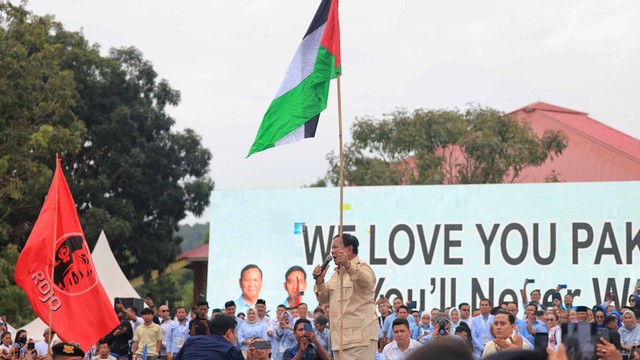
437, 245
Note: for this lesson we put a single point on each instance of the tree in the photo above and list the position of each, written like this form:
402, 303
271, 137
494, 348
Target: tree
478, 145
131, 174
36, 117
135, 177
193, 236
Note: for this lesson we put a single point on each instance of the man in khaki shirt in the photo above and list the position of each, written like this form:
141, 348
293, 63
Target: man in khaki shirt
360, 323
149, 334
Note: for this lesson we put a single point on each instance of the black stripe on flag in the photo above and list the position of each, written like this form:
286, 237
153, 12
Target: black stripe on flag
320, 18
311, 126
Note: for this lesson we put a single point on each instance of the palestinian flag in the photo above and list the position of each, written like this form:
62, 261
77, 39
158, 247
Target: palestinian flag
293, 115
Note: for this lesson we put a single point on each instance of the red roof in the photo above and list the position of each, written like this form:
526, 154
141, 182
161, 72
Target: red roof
595, 152
198, 254
547, 107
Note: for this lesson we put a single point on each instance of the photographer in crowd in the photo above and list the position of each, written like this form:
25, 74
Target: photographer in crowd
308, 347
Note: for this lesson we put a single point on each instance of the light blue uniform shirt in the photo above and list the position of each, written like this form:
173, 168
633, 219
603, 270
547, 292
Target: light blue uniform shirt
481, 331
178, 334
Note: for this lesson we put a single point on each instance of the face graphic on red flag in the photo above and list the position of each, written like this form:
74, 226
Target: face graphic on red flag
73, 270
82, 311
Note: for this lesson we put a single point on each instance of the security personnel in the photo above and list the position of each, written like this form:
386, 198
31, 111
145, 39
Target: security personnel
67, 351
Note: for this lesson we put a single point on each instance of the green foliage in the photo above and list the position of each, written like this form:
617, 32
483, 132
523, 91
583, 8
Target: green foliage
15, 304
129, 172
318, 183
36, 117
193, 236
175, 288
478, 145
13, 301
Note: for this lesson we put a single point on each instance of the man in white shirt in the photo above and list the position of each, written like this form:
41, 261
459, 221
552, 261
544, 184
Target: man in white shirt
165, 325
261, 309
465, 313
132, 315
42, 346
402, 344
103, 352
303, 312
506, 337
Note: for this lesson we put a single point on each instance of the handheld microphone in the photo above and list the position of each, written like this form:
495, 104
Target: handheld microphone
324, 265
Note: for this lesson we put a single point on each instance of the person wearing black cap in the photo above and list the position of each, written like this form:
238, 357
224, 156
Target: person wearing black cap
581, 313
261, 309
67, 351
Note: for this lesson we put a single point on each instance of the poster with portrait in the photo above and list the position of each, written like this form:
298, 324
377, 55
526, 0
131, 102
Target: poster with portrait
437, 245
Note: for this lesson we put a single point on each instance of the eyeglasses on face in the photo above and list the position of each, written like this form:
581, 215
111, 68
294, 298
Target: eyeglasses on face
550, 319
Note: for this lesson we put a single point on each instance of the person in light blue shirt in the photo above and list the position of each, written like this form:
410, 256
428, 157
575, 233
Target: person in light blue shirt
403, 313
388, 321
481, 327
252, 327
178, 331
534, 325
426, 326
283, 337
322, 332
512, 308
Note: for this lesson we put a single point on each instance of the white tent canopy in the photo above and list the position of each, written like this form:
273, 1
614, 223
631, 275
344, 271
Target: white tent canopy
109, 273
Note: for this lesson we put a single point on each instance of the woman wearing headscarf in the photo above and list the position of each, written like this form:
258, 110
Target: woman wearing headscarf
454, 315
284, 336
426, 328
599, 313
251, 327
617, 314
630, 331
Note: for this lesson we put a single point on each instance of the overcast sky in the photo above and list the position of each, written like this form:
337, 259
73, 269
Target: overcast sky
228, 57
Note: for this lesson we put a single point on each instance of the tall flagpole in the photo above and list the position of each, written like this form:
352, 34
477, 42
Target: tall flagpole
53, 248
341, 269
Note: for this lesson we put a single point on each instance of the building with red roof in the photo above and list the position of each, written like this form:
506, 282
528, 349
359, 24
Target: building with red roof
595, 152
198, 259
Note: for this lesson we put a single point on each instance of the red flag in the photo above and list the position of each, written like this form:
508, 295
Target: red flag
82, 311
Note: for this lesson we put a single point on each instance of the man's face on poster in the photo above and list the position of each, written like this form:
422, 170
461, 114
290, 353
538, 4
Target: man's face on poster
295, 282
251, 283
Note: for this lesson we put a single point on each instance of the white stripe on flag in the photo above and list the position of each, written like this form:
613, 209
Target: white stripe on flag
295, 135
303, 61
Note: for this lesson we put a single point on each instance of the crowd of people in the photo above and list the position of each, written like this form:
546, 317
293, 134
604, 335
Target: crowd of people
348, 319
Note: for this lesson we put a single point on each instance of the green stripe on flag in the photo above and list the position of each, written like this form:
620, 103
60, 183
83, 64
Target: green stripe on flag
298, 105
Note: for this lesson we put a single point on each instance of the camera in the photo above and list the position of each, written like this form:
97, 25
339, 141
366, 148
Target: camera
442, 326
262, 345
